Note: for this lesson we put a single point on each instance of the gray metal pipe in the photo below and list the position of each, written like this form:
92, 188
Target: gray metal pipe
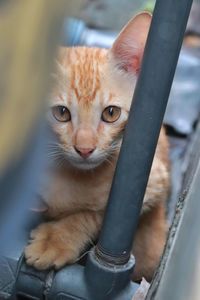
142, 131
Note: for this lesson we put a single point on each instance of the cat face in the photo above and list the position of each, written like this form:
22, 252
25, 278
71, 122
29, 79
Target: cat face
91, 99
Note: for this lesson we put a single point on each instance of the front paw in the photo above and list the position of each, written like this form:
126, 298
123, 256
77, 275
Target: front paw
50, 247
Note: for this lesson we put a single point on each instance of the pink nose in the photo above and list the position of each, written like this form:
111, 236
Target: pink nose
84, 152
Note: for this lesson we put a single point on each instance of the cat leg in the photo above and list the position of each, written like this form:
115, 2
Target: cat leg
149, 241
56, 243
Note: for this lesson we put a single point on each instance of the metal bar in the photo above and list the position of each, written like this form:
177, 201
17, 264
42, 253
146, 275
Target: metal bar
141, 135
180, 268
26, 61
32, 48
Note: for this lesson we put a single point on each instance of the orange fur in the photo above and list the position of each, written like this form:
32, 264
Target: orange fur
88, 80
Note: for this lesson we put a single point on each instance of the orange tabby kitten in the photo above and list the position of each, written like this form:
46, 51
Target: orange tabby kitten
89, 110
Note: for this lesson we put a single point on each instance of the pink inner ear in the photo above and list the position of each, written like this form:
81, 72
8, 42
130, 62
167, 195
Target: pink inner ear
128, 49
134, 66
127, 58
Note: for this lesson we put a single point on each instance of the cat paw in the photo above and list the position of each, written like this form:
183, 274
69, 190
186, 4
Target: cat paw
48, 248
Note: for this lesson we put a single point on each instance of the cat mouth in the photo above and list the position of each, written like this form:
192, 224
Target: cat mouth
85, 163
89, 163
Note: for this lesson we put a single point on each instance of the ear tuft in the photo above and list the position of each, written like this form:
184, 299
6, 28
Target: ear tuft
127, 50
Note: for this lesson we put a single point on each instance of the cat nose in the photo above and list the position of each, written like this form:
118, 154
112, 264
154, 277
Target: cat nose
84, 152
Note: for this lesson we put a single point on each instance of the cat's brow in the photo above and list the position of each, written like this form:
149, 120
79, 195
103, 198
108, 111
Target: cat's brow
85, 76
85, 82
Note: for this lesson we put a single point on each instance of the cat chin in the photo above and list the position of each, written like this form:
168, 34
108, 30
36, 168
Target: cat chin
84, 165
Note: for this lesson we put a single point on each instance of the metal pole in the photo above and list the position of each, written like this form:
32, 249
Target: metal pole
141, 135
182, 270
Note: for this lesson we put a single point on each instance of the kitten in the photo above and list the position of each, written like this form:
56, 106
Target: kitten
88, 112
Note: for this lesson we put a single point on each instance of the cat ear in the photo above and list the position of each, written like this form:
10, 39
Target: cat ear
127, 50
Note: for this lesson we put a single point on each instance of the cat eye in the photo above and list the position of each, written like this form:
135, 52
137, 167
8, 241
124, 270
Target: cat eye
61, 113
111, 114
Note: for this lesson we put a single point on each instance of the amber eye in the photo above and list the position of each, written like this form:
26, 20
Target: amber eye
111, 114
61, 113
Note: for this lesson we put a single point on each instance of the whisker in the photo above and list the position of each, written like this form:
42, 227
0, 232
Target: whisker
81, 256
109, 161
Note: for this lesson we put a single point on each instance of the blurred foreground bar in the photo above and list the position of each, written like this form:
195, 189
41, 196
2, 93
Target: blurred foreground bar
29, 33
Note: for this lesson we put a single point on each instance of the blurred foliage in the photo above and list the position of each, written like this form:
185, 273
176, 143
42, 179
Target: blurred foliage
149, 5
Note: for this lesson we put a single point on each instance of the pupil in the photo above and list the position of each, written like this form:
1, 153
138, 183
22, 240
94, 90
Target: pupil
62, 110
111, 111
